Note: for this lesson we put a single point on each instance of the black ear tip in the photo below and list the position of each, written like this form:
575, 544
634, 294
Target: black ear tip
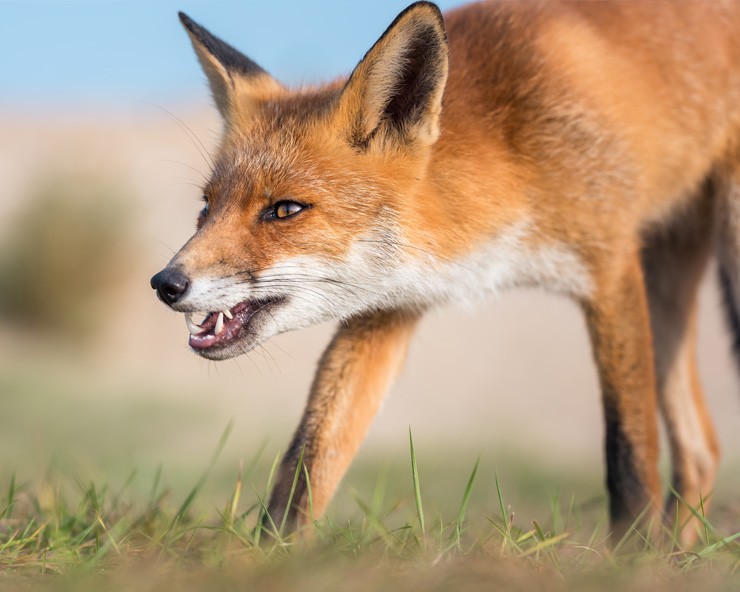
431, 5
194, 28
421, 7
436, 12
423, 4
187, 22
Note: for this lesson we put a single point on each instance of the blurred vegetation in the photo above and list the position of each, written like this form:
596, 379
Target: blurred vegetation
64, 252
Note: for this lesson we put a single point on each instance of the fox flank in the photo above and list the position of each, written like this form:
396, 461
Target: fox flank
587, 148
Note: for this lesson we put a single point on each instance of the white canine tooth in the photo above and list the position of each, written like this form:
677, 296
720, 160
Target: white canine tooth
227, 313
192, 327
219, 323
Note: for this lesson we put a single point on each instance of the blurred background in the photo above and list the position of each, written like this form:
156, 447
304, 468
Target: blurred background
99, 185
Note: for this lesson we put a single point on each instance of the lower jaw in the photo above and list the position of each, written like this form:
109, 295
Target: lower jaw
223, 351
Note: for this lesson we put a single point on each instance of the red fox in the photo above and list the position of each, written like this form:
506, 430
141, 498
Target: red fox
588, 148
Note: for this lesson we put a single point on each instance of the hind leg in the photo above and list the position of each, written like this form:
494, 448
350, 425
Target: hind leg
673, 262
728, 245
618, 320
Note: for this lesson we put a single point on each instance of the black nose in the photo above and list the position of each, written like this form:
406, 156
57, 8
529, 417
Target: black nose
170, 285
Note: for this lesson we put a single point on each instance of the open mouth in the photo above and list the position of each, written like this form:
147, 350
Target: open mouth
224, 327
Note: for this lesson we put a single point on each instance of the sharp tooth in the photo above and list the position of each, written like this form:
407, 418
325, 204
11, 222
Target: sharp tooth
227, 313
192, 327
219, 323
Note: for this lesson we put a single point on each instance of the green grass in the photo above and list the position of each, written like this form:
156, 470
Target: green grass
63, 532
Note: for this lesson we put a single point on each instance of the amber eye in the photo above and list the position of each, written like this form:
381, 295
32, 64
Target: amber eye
285, 209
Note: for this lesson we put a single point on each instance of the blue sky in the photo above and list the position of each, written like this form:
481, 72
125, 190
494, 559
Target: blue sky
89, 52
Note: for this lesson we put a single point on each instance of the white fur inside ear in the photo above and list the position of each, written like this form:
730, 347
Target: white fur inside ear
381, 81
218, 78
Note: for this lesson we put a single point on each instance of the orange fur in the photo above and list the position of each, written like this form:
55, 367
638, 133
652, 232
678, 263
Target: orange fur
354, 374
554, 144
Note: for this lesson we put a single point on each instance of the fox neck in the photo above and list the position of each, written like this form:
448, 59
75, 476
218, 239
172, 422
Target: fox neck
462, 236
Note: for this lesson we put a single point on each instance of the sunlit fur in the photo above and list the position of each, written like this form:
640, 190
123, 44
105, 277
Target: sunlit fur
531, 144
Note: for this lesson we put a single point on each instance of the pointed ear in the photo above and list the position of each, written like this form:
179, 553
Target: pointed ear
395, 93
238, 84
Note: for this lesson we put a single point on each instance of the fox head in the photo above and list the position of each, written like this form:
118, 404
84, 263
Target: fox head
307, 201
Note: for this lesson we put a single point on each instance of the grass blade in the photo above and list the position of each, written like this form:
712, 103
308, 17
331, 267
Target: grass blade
237, 493
11, 498
201, 482
417, 488
719, 544
464, 503
310, 494
155, 486
704, 519
546, 544
265, 514
255, 459
707, 525
632, 530
263, 509
292, 491
110, 536
385, 533
501, 505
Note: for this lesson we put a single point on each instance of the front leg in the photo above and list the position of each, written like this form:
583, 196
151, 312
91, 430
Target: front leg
617, 316
353, 376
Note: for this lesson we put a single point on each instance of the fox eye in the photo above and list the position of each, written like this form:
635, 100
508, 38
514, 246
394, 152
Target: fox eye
206, 208
285, 209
